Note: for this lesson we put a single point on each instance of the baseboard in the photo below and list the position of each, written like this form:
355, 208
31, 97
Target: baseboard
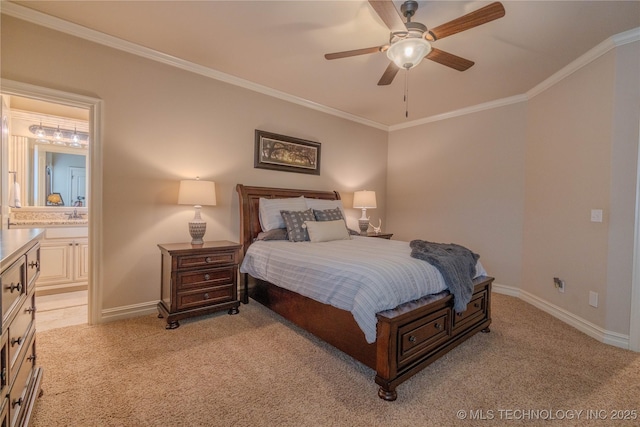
608, 337
128, 311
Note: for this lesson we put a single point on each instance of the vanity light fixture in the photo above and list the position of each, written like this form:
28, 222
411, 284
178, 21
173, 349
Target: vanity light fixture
364, 200
197, 193
59, 135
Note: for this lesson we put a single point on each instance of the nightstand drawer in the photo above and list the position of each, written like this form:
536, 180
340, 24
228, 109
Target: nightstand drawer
206, 297
206, 278
206, 259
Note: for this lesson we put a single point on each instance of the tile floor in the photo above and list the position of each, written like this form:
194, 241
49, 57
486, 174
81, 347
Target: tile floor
59, 310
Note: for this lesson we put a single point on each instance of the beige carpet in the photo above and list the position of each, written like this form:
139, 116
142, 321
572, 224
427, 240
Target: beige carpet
255, 369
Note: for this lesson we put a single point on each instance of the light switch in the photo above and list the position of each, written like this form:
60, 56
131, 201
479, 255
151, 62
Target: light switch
596, 215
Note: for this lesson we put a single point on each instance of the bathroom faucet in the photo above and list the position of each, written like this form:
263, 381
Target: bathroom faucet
75, 215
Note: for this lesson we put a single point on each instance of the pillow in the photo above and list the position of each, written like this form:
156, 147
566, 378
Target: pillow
321, 204
275, 234
326, 231
328, 214
270, 217
295, 223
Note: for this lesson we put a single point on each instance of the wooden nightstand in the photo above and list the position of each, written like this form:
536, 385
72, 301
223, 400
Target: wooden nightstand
379, 235
198, 280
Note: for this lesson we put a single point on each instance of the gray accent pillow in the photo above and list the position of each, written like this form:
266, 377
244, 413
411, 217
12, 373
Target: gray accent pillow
294, 221
328, 214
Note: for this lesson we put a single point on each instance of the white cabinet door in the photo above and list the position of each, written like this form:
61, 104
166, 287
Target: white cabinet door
55, 263
81, 259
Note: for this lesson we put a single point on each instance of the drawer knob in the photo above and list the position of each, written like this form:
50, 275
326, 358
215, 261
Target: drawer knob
30, 310
438, 326
412, 338
206, 296
208, 259
16, 402
35, 264
207, 277
32, 358
15, 341
460, 314
476, 305
13, 287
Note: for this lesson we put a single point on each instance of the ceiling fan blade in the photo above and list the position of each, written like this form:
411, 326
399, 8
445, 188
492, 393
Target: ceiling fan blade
389, 14
449, 59
470, 20
389, 74
356, 52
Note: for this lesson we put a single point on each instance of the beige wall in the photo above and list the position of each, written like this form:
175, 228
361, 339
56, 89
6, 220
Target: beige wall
460, 180
517, 185
162, 124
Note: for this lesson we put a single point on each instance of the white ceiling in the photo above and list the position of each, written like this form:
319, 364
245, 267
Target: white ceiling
280, 45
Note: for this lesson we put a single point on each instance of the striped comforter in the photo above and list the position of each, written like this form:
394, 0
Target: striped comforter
362, 275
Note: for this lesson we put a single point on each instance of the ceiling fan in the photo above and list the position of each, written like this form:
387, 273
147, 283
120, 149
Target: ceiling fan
410, 42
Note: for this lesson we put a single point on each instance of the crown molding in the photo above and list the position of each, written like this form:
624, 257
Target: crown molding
585, 59
61, 25
463, 111
85, 33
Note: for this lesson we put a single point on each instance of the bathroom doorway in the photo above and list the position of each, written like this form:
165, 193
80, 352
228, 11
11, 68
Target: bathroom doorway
71, 293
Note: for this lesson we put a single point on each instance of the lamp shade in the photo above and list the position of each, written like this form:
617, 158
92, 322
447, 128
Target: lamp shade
409, 52
364, 199
197, 193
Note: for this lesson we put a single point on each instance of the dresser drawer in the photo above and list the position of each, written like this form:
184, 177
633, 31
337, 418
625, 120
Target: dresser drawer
206, 297
423, 335
18, 398
33, 266
13, 287
210, 258
476, 309
4, 364
19, 331
206, 278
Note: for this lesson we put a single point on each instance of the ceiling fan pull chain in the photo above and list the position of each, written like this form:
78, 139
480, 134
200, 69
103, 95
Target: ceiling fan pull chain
406, 93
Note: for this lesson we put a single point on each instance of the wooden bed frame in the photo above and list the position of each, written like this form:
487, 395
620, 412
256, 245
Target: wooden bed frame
409, 337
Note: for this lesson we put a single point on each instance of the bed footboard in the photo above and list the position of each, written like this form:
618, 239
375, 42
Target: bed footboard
416, 334
409, 338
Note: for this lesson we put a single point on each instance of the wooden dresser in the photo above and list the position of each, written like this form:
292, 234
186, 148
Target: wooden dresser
198, 279
20, 378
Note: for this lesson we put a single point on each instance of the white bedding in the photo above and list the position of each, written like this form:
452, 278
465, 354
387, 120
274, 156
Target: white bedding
362, 275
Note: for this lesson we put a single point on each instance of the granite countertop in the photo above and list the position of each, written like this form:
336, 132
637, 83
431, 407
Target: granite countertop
14, 242
47, 219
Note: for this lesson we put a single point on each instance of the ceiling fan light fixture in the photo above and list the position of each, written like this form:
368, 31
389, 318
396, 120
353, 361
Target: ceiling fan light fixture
409, 52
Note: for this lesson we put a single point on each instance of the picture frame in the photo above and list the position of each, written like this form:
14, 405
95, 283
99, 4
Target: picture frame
285, 153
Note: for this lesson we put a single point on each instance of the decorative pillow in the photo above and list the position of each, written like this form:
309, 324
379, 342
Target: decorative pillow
328, 214
275, 234
321, 204
270, 217
326, 231
295, 223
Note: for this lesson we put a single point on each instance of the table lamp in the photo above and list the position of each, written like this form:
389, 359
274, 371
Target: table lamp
197, 193
364, 200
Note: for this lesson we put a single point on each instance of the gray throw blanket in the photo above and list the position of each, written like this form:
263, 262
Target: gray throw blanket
457, 265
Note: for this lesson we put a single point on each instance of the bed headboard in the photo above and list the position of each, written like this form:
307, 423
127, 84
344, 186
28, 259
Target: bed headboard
250, 212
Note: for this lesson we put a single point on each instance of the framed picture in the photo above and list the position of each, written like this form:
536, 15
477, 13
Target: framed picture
284, 153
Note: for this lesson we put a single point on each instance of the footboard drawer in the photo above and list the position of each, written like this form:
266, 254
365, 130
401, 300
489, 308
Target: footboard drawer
476, 309
421, 336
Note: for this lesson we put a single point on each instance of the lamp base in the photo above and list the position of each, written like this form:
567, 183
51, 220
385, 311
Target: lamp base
197, 230
364, 226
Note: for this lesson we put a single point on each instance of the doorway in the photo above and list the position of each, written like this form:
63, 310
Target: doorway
88, 192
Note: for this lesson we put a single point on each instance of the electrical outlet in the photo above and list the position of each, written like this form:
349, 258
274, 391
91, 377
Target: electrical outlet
593, 299
559, 284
